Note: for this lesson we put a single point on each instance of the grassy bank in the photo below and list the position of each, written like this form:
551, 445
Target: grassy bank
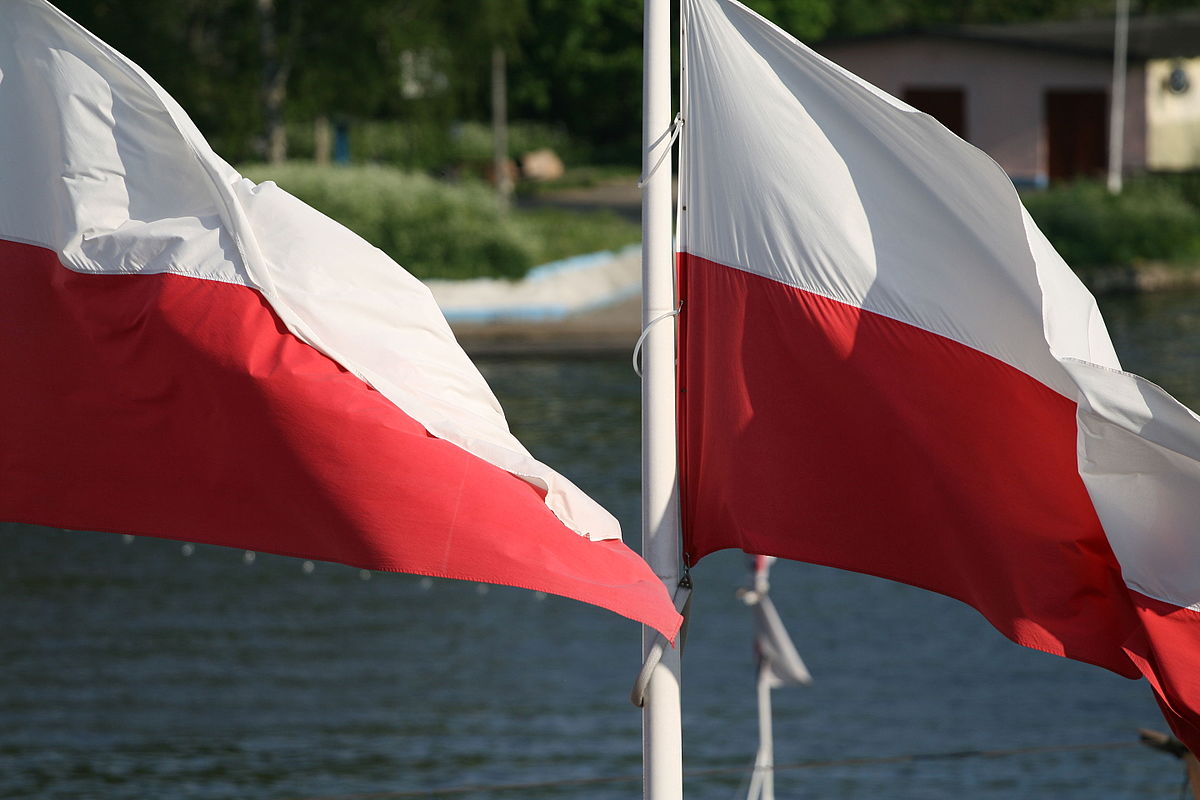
443, 230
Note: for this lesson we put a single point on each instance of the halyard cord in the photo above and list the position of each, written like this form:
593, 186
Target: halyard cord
703, 773
637, 348
683, 604
676, 127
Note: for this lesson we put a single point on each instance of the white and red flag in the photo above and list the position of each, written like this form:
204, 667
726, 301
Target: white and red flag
189, 355
886, 367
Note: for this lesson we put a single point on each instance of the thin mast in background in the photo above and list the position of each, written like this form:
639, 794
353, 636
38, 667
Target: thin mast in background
1116, 111
662, 740
504, 182
762, 782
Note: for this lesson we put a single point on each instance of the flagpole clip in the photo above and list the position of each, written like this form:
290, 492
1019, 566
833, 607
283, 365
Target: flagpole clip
673, 133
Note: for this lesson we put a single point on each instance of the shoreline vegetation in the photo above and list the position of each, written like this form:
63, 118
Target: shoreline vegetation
1142, 276
448, 230
1145, 239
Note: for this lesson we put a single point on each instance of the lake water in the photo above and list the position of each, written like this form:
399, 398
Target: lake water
132, 670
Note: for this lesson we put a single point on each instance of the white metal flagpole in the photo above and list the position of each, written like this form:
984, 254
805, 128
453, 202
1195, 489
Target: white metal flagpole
1116, 111
662, 739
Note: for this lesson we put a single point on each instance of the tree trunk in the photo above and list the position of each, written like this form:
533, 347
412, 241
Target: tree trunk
274, 83
322, 140
504, 182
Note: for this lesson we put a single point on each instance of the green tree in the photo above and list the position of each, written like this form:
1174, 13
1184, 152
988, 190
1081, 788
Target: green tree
807, 20
855, 17
203, 52
574, 63
580, 64
344, 58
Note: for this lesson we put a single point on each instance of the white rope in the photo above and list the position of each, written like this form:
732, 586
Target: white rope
637, 348
676, 127
683, 604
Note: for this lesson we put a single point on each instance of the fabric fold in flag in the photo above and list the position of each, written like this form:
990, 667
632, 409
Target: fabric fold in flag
189, 355
887, 368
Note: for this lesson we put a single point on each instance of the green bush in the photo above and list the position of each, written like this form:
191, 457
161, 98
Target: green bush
443, 230
1150, 221
435, 230
1187, 184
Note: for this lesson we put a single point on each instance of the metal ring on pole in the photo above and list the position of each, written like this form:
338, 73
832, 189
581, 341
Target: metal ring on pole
637, 348
683, 604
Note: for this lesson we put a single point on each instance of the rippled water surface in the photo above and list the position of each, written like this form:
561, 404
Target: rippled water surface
132, 670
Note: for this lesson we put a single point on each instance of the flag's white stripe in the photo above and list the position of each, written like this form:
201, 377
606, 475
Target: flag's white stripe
1139, 456
855, 198
143, 193
804, 174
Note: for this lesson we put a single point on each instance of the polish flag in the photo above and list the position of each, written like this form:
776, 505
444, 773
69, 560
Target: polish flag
886, 367
189, 355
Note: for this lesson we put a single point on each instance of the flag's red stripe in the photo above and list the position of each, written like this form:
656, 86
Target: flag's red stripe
820, 432
176, 407
1164, 648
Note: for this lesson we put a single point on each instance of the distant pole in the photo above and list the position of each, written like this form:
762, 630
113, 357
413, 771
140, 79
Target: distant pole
762, 782
504, 184
662, 737
1116, 114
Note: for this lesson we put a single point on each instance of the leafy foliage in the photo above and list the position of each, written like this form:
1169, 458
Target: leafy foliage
807, 20
574, 65
582, 66
1149, 221
853, 17
434, 230
203, 52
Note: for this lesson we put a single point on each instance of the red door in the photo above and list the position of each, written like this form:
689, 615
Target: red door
1076, 133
